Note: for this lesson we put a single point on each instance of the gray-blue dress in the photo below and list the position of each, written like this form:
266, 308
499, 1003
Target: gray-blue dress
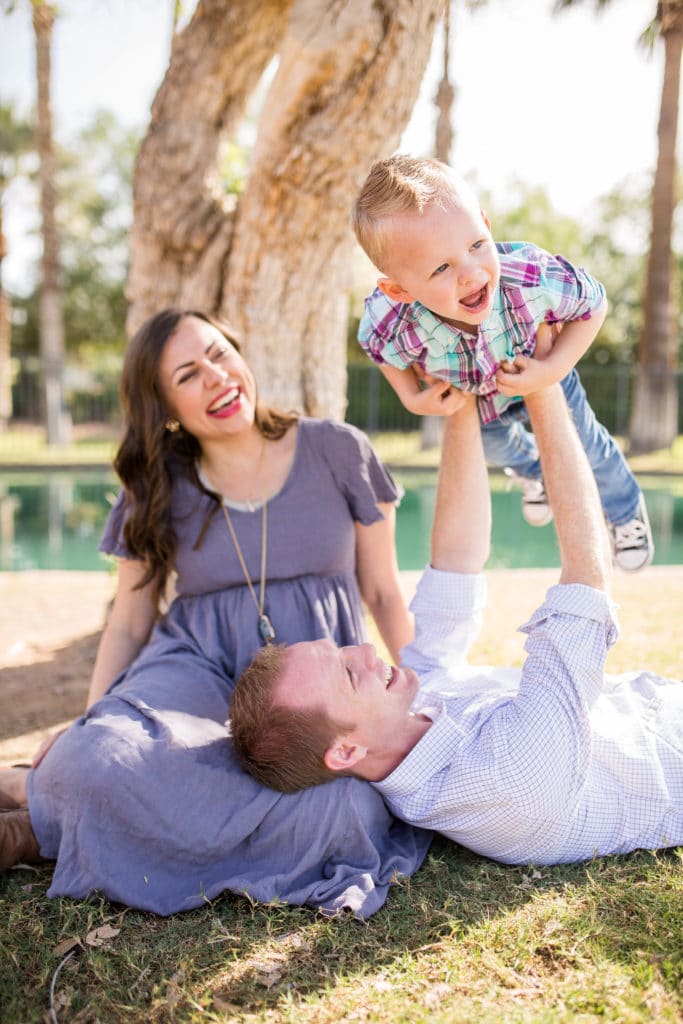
141, 798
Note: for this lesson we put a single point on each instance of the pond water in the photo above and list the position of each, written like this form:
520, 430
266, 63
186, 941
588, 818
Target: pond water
53, 520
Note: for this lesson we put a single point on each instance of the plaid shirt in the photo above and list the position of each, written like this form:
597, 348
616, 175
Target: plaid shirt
534, 287
552, 763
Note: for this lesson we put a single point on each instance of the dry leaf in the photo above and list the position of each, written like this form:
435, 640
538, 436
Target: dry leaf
98, 936
269, 978
65, 945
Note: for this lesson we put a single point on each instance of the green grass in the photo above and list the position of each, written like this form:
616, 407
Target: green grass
95, 445
26, 446
403, 450
464, 940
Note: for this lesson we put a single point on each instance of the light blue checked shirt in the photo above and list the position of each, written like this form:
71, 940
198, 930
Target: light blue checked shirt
534, 288
554, 762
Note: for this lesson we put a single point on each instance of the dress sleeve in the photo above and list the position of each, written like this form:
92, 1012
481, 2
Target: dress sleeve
358, 472
112, 542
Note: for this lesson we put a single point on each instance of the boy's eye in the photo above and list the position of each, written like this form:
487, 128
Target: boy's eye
440, 270
478, 244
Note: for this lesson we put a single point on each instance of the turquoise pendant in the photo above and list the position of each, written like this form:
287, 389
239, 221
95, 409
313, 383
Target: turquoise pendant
265, 629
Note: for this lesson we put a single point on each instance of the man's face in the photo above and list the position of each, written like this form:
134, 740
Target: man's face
370, 700
447, 260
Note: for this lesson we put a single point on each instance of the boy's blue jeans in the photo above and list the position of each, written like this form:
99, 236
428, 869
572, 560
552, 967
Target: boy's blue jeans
508, 443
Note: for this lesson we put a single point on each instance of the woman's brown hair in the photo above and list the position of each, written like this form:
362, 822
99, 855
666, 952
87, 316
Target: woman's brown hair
150, 455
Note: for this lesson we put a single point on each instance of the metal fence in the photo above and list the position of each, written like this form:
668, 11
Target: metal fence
372, 404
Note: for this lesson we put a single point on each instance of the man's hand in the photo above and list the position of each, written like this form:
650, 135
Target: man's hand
524, 376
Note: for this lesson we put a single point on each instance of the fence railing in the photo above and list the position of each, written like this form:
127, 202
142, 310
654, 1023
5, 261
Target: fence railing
372, 404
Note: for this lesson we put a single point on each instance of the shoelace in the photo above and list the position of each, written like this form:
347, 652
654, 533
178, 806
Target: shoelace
630, 535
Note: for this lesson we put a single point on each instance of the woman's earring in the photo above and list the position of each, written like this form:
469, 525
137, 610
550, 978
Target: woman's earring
173, 426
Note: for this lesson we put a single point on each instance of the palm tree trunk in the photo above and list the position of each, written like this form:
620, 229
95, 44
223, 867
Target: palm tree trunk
654, 418
5, 367
51, 319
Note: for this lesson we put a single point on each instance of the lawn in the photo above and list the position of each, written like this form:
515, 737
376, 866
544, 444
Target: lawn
464, 941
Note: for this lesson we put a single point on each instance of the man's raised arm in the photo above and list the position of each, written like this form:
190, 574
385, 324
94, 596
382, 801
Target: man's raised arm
572, 492
461, 532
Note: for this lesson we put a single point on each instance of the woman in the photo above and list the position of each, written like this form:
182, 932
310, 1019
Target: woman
274, 527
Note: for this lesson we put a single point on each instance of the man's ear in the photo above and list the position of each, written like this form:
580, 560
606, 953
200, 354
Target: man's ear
343, 755
393, 290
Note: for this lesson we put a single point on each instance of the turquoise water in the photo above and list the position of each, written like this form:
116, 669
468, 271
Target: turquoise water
53, 520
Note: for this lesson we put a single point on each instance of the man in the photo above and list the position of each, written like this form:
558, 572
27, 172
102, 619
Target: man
552, 763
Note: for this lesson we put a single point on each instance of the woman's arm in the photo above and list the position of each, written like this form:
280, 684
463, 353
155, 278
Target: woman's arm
127, 630
379, 581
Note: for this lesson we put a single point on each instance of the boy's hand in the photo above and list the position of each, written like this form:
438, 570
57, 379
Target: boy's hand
529, 373
437, 399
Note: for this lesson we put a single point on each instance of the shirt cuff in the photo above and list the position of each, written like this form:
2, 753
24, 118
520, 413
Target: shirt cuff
581, 601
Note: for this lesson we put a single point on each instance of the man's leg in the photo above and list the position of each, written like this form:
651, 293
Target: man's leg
571, 487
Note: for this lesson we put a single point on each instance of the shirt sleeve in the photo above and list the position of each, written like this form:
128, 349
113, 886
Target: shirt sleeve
387, 332
358, 471
448, 608
572, 293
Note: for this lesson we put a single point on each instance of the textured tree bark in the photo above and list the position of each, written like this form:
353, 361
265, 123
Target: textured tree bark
654, 417
275, 262
51, 318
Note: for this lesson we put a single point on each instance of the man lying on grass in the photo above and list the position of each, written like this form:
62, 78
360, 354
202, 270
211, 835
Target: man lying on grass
554, 762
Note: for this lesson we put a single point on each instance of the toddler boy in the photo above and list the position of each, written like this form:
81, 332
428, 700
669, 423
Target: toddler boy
453, 304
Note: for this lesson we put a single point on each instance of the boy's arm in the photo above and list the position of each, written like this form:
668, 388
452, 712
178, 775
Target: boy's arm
439, 398
528, 374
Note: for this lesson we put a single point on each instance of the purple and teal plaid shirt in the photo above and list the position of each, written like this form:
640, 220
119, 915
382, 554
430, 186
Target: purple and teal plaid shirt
534, 287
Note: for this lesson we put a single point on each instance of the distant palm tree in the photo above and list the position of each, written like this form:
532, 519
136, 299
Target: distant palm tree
16, 138
51, 316
654, 417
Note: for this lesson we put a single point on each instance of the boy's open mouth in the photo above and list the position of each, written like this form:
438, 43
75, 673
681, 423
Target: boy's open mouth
476, 301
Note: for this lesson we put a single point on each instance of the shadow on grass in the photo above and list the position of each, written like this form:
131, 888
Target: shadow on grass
460, 916
44, 693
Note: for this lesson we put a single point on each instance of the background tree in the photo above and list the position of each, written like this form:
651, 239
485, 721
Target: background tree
276, 259
16, 138
51, 321
654, 417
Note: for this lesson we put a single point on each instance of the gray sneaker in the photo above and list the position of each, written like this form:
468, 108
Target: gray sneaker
632, 544
535, 506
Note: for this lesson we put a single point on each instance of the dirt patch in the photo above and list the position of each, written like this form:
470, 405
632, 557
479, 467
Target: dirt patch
51, 622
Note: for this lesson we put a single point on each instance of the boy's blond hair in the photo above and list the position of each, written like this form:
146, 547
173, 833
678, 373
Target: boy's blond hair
403, 184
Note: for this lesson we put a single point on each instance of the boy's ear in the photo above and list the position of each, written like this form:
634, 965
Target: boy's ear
343, 755
393, 290
487, 222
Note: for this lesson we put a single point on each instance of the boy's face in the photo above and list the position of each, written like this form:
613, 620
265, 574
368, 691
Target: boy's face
447, 260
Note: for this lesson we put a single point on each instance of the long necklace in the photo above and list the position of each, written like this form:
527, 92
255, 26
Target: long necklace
265, 626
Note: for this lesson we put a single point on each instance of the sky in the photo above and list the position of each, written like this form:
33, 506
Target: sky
567, 102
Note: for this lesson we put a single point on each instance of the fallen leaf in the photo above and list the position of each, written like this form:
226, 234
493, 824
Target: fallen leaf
65, 945
98, 936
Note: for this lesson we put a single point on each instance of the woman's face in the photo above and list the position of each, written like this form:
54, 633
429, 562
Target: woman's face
205, 382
